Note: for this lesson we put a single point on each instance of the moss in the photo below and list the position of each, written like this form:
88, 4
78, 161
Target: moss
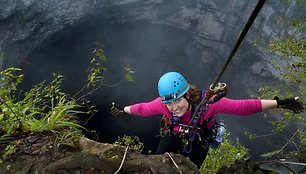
114, 153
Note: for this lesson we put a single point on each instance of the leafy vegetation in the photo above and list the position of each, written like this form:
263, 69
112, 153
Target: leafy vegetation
131, 141
42, 108
46, 107
224, 155
291, 64
96, 76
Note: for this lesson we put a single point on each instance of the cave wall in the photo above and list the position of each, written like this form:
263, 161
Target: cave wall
25, 24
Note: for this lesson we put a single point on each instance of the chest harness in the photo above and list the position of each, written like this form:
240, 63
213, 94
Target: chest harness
188, 133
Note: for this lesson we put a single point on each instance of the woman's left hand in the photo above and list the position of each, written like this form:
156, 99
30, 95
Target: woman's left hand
290, 103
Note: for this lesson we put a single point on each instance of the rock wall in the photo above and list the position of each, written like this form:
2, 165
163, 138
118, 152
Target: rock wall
25, 24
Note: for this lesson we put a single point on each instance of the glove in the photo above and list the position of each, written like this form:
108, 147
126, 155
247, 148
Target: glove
116, 110
290, 103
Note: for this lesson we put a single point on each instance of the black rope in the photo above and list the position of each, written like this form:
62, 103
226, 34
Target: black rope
229, 58
239, 40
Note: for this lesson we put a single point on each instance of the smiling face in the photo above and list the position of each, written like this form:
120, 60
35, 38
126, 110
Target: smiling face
178, 107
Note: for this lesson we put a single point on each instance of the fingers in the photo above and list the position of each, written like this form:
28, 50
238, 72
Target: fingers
296, 107
300, 107
115, 110
290, 103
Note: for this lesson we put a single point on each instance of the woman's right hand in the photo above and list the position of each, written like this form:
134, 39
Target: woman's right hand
116, 110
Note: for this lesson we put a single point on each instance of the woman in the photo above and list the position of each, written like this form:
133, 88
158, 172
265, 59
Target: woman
178, 101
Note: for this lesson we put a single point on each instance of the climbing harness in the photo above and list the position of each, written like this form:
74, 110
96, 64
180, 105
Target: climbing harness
202, 133
173, 126
205, 135
218, 90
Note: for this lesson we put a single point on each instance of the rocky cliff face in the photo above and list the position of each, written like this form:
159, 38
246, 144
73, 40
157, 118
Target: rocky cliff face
40, 154
213, 25
25, 24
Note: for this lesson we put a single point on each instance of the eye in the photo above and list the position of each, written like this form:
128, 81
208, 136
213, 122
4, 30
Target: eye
177, 100
168, 104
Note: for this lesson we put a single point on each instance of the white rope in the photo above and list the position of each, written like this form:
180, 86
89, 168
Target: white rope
126, 149
295, 163
283, 161
174, 163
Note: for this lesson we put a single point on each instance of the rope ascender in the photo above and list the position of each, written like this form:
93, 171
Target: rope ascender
217, 89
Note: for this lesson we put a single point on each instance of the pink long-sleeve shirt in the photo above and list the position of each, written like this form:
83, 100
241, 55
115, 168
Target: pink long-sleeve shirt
223, 106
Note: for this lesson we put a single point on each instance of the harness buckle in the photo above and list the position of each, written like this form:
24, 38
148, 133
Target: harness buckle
220, 87
219, 91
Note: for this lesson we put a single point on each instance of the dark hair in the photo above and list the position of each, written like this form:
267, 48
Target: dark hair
194, 95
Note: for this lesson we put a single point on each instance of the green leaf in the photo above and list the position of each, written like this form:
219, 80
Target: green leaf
129, 78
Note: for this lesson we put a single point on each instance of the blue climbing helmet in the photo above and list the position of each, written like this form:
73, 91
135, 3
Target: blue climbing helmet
172, 86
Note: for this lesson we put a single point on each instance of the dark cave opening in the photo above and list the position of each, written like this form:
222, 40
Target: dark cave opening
151, 50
